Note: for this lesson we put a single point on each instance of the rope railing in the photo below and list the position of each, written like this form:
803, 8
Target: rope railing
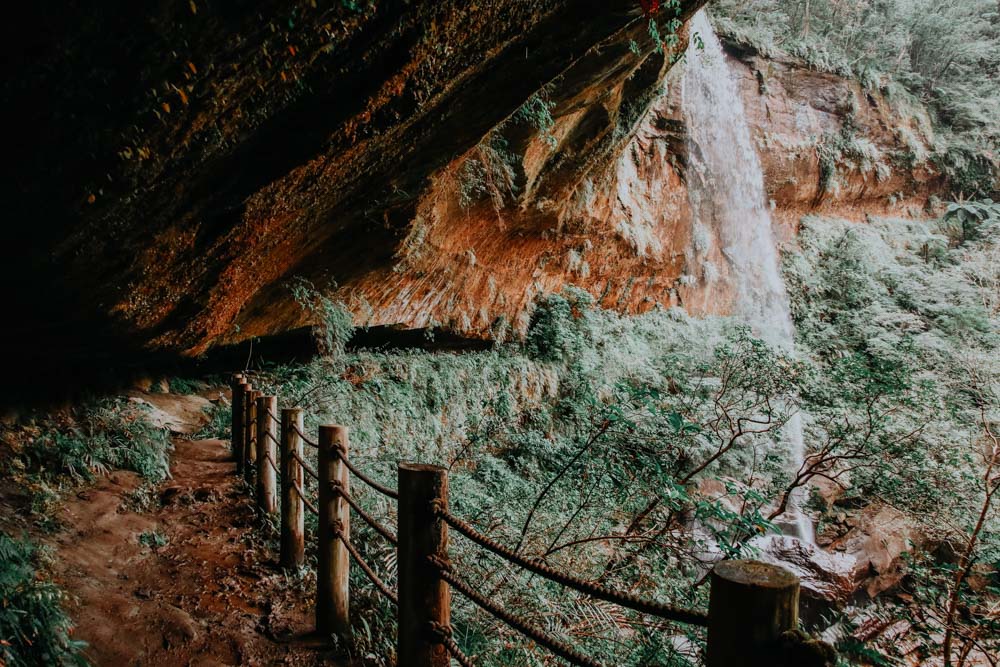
338, 489
309, 470
628, 600
305, 501
270, 462
305, 438
384, 490
443, 633
421, 546
563, 650
273, 418
366, 568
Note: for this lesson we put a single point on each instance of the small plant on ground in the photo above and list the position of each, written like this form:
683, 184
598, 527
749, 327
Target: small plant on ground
153, 539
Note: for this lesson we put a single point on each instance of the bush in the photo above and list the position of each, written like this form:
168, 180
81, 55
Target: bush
33, 626
964, 220
111, 434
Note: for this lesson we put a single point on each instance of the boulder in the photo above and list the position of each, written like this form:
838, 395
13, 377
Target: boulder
826, 578
861, 564
181, 415
877, 541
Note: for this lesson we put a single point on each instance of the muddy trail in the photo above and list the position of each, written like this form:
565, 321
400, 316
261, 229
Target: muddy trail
181, 573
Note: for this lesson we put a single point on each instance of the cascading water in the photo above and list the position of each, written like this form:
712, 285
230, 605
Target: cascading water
726, 188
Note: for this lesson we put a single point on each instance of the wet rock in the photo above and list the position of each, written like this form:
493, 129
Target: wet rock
826, 578
877, 542
866, 561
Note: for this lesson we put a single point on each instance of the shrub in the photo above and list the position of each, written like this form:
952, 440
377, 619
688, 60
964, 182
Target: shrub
333, 322
111, 434
33, 626
963, 220
219, 422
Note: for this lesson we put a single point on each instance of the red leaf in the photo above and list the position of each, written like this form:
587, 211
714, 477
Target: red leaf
649, 7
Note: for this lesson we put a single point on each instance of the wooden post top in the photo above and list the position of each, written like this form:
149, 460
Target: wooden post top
755, 573
420, 467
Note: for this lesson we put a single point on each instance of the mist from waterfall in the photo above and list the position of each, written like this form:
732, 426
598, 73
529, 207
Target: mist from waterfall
726, 189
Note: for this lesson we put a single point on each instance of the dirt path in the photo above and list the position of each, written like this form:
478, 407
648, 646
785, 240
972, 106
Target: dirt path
211, 594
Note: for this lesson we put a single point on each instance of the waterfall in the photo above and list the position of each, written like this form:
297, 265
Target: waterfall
728, 203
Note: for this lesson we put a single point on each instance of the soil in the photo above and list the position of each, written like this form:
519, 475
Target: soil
207, 592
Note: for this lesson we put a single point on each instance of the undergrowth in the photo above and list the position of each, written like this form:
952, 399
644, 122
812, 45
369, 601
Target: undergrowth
34, 630
45, 459
611, 447
110, 434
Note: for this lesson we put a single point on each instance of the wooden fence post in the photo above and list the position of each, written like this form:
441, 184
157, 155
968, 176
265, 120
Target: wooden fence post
267, 435
250, 437
292, 516
332, 594
750, 605
241, 452
239, 391
424, 597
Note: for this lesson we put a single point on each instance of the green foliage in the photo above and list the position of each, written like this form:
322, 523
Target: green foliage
489, 174
333, 322
845, 151
904, 341
153, 539
963, 220
595, 417
664, 35
110, 434
33, 627
944, 54
219, 422
930, 581
970, 171
553, 334
626, 449
537, 112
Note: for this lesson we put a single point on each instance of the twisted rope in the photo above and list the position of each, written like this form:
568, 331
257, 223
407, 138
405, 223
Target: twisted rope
304, 438
384, 490
338, 489
443, 633
564, 651
273, 418
379, 584
272, 438
627, 600
305, 501
305, 466
270, 461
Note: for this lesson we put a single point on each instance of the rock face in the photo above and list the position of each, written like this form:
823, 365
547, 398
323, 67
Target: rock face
427, 163
602, 203
180, 161
863, 562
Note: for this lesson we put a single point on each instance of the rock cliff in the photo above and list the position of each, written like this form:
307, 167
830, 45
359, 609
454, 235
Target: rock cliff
430, 164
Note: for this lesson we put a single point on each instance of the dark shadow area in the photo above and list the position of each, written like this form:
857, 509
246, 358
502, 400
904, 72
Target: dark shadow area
48, 373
